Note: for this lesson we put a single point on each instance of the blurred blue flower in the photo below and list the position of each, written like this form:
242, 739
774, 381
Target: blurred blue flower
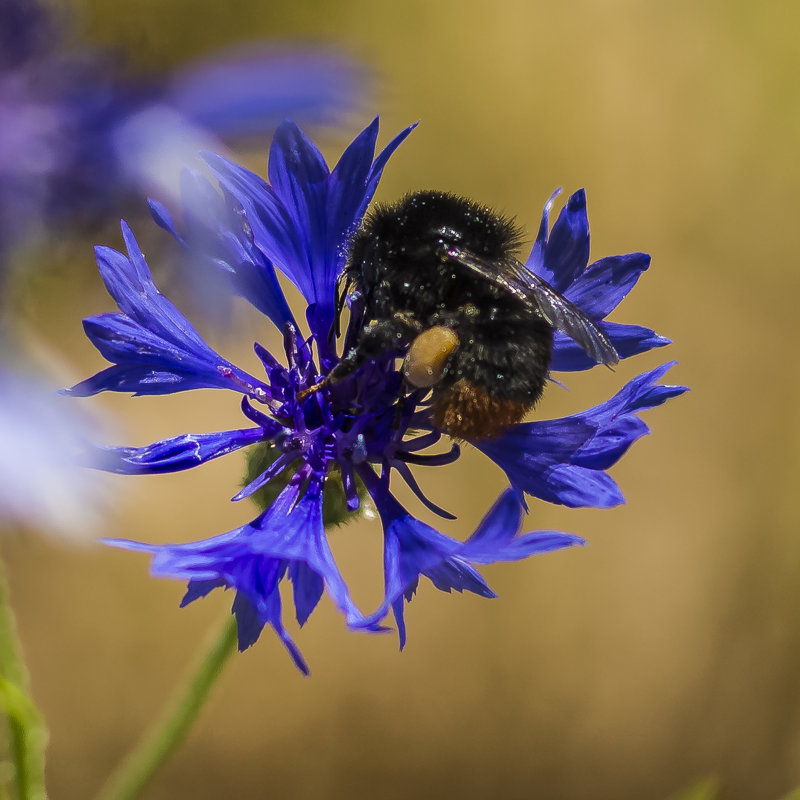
81, 131
358, 430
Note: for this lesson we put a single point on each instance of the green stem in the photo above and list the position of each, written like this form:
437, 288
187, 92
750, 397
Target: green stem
27, 732
140, 765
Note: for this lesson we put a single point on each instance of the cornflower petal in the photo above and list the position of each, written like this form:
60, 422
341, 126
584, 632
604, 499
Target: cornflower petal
251, 617
496, 538
628, 340
301, 538
561, 257
566, 251
535, 262
130, 284
413, 548
269, 224
603, 285
253, 558
155, 348
308, 588
175, 454
356, 167
564, 460
218, 240
138, 379
298, 176
302, 218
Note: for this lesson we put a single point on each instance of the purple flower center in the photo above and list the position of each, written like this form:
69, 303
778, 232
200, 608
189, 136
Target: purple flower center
362, 419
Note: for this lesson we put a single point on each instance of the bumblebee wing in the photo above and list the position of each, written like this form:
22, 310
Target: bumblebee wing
546, 302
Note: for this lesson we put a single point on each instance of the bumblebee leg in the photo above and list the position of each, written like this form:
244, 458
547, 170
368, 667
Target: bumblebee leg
378, 337
342, 289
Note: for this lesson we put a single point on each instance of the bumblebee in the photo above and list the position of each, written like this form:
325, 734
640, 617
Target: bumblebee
439, 284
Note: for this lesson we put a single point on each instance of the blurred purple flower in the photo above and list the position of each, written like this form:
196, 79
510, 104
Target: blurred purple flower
359, 430
80, 130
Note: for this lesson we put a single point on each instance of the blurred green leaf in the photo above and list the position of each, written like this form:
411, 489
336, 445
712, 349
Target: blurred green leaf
28, 739
27, 731
706, 789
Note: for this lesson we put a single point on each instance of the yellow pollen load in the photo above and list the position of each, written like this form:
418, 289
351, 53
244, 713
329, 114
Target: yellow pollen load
425, 361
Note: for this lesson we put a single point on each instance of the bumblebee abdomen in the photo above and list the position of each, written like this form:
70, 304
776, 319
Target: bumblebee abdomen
467, 411
510, 360
493, 380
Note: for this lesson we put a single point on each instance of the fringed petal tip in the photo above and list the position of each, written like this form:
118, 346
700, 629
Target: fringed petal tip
563, 461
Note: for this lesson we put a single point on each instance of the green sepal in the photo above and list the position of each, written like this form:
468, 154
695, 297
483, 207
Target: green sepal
334, 501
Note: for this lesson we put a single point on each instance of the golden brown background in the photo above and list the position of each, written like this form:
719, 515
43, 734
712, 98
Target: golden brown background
666, 651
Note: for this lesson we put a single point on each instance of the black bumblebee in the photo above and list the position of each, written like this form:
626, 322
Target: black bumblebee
439, 283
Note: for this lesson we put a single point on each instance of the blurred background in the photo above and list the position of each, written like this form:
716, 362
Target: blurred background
664, 653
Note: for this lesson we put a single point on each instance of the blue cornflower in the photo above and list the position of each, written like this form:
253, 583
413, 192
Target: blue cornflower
82, 131
356, 431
